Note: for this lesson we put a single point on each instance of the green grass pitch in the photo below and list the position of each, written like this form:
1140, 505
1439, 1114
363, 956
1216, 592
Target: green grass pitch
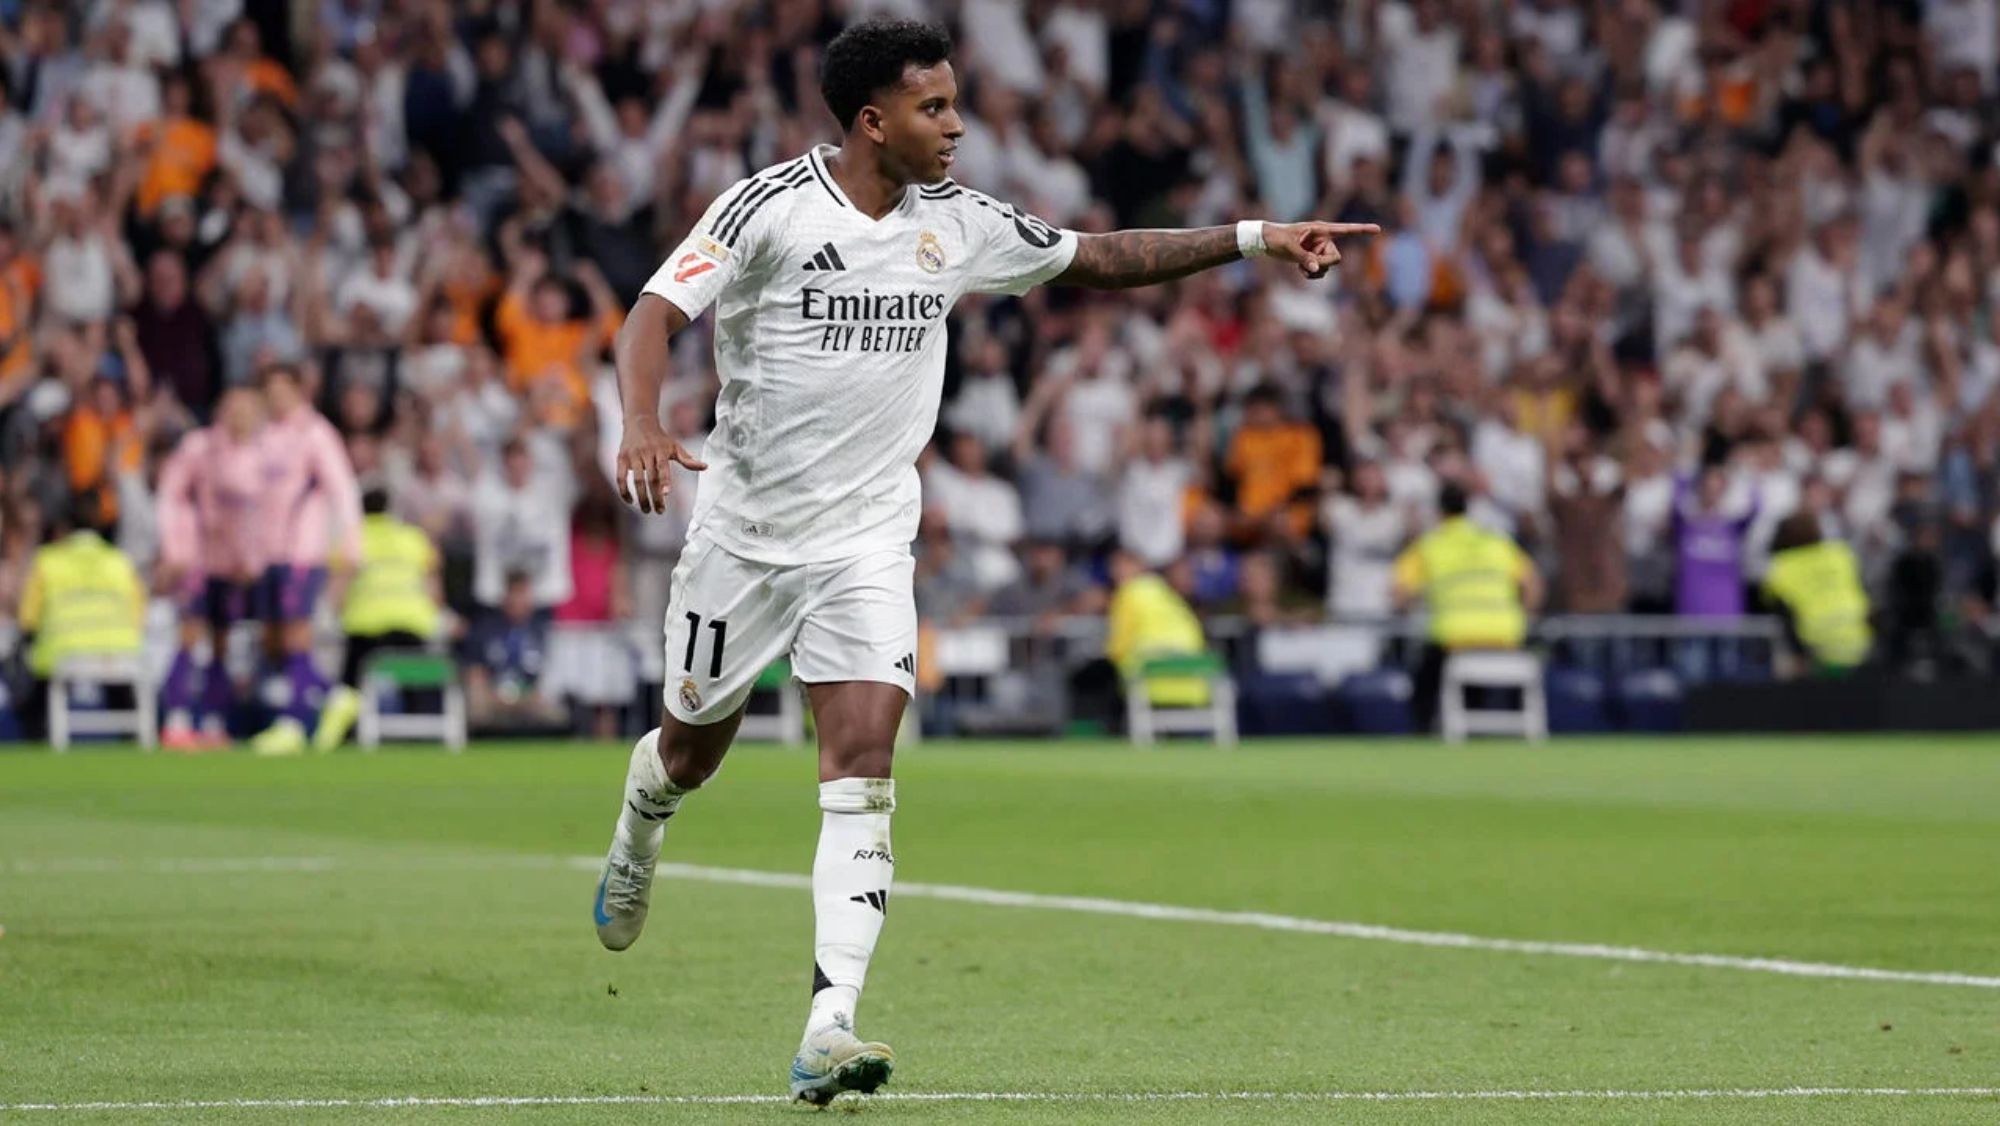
412, 924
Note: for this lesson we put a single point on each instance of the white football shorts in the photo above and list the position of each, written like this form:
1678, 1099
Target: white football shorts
729, 619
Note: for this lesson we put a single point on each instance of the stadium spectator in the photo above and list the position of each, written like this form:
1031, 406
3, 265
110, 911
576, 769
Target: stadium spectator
1709, 546
1061, 501
507, 663
1152, 496
1366, 531
982, 511
1274, 466
1586, 499
176, 335
546, 346
988, 405
521, 524
1048, 590
101, 441
589, 656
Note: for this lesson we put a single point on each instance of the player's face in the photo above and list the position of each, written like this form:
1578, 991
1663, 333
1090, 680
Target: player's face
241, 411
920, 124
282, 393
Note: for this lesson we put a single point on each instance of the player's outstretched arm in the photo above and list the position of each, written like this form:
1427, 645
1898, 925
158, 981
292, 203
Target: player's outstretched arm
646, 450
1125, 259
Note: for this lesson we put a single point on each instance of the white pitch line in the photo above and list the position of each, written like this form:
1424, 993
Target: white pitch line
1365, 931
1130, 909
404, 1101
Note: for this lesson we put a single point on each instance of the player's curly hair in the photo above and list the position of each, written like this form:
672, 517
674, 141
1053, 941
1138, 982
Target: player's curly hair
869, 57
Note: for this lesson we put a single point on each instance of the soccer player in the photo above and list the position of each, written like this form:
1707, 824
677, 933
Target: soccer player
210, 556
832, 275
310, 508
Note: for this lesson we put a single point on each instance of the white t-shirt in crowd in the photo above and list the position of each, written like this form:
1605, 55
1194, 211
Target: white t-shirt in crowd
78, 279
984, 515
1149, 509
988, 407
1364, 544
1097, 409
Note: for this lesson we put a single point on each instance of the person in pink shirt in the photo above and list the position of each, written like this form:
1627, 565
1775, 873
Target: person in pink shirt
210, 556
309, 509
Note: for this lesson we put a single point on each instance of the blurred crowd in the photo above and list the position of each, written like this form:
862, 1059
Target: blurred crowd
1655, 276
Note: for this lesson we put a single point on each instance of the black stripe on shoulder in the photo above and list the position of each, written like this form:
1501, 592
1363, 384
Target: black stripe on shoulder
773, 191
727, 232
753, 186
742, 193
941, 196
942, 188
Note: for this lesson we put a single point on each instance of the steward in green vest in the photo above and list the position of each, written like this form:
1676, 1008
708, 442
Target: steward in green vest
1816, 583
1477, 585
390, 601
82, 597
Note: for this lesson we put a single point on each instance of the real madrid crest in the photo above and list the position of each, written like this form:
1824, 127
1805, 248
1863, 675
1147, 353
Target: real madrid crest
690, 696
930, 252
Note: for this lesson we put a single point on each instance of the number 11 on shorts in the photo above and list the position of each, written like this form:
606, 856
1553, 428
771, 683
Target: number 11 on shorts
721, 630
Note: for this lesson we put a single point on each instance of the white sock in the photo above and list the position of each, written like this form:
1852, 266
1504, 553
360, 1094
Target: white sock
851, 878
650, 799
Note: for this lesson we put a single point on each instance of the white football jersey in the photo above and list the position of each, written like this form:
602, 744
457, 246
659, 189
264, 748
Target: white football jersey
830, 342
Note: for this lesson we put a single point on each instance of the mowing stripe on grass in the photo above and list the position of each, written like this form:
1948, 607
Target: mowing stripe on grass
174, 866
991, 897
399, 1101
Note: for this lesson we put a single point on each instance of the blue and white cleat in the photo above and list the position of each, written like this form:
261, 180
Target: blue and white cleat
623, 894
833, 1060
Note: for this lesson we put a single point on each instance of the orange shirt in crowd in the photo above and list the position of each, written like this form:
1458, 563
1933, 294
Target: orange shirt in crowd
534, 348
19, 281
1270, 464
267, 77
183, 156
95, 448
466, 299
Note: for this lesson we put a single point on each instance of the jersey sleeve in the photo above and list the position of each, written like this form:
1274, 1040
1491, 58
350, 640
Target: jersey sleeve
1018, 252
719, 247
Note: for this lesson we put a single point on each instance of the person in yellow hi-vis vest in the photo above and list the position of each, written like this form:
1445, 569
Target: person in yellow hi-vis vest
1817, 584
1149, 619
390, 601
82, 596
1479, 587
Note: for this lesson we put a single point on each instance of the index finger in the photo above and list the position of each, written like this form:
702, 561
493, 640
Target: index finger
1338, 229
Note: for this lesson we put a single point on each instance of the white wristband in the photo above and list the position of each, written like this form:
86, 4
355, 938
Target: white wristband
1250, 238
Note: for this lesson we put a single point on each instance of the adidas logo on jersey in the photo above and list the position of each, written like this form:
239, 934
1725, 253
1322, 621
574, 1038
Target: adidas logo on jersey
827, 259
879, 900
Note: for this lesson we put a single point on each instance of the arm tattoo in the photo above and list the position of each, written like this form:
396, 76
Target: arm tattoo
1125, 259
